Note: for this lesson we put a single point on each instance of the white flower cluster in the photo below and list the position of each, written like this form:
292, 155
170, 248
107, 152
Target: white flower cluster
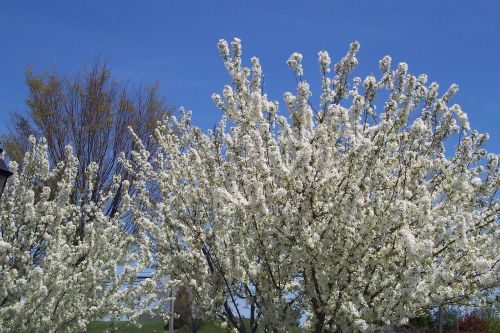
353, 217
324, 62
295, 63
63, 262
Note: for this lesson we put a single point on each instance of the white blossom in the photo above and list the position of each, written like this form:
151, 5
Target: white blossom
295, 63
324, 62
58, 256
354, 217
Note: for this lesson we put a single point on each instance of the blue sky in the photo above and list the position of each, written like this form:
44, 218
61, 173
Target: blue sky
174, 42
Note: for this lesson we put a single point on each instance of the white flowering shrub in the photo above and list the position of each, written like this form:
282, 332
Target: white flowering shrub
63, 262
368, 209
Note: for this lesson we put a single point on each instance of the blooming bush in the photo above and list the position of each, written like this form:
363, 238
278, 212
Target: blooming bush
367, 209
63, 262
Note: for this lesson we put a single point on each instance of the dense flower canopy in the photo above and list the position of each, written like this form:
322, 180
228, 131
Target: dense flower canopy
366, 210
375, 205
63, 262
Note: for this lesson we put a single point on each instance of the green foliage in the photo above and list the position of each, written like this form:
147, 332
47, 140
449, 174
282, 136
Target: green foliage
493, 324
490, 315
424, 321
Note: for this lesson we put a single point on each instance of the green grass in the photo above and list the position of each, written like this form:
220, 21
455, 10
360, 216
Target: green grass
207, 328
147, 326
156, 326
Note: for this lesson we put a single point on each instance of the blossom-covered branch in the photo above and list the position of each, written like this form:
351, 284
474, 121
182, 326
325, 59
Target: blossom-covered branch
372, 209
55, 275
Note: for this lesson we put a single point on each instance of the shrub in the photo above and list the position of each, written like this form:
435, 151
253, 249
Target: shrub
473, 323
493, 324
423, 321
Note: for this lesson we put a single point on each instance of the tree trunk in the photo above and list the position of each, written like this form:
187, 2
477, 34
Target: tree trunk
320, 323
440, 319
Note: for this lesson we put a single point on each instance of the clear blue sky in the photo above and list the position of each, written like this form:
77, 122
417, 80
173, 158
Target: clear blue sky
174, 42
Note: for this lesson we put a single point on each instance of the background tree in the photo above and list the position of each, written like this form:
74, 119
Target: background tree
90, 111
447, 318
375, 206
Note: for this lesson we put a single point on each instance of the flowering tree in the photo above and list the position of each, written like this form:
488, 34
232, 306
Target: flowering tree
54, 276
353, 216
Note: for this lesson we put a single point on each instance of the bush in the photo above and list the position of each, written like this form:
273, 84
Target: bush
422, 321
493, 324
473, 323
490, 315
